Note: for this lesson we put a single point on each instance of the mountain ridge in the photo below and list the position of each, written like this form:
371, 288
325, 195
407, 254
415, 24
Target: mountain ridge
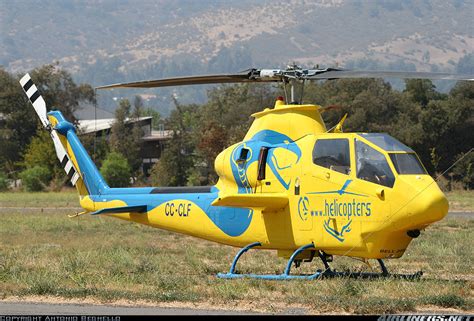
254, 25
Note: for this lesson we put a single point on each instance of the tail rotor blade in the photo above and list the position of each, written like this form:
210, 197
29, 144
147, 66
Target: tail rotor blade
35, 98
40, 107
63, 157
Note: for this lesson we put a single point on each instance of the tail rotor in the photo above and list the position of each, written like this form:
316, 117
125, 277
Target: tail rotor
40, 107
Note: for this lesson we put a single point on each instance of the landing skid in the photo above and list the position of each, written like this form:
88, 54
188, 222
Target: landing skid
326, 273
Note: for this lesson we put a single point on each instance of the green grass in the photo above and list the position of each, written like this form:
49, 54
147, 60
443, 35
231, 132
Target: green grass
108, 260
462, 201
67, 198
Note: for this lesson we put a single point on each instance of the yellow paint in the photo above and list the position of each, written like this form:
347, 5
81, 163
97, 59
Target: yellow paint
295, 121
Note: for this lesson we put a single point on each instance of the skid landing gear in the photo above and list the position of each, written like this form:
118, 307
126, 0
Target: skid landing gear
285, 276
326, 273
372, 275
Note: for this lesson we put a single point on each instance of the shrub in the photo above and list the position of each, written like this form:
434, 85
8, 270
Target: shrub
160, 175
36, 178
116, 170
3, 182
447, 301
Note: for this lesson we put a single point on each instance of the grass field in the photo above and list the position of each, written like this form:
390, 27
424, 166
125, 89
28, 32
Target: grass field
67, 198
107, 260
461, 201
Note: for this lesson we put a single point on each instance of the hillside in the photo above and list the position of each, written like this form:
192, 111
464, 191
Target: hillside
106, 41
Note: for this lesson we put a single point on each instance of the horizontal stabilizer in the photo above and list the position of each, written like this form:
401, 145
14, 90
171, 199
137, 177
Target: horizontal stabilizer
123, 209
267, 201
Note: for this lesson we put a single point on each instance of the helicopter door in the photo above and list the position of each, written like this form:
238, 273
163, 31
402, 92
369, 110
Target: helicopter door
331, 176
375, 179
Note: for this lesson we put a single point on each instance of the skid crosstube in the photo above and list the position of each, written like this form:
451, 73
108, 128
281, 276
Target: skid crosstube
285, 276
327, 273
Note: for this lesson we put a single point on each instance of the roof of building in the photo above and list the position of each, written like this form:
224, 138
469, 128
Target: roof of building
87, 126
92, 112
158, 135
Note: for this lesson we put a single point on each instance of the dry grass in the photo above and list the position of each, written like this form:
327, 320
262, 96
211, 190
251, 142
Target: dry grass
461, 201
100, 258
66, 198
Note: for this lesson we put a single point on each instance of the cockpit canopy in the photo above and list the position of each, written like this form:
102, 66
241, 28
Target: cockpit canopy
386, 142
373, 155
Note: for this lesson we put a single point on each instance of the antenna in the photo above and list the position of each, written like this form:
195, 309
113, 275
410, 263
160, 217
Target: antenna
95, 122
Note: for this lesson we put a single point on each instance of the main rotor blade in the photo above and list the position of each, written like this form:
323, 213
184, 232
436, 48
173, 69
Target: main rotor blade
278, 75
343, 74
245, 76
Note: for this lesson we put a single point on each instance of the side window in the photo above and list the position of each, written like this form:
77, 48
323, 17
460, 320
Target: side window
333, 154
372, 165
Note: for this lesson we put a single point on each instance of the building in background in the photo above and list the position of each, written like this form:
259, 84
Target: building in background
98, 122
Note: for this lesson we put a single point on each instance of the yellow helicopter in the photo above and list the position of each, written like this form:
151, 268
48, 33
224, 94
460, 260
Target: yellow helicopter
290, 185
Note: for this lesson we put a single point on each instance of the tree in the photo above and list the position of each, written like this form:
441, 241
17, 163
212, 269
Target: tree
3, 182
118, 134
19, 119
116, 170
177, 159
156, 121
35, 179
97, 147
135, 160
40, 152
60, 91
422, 91
463, 171
126, 139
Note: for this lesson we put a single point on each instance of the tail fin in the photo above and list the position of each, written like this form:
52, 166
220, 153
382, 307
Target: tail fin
73, 157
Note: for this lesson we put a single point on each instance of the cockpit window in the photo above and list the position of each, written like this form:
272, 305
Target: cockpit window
386, 142
333, 154
407, 163
372, 165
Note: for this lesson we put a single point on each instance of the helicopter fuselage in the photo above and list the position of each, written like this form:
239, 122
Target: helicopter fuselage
291, 183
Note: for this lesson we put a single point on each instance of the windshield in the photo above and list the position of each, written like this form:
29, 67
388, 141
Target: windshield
407, 163
386, 142
372, 165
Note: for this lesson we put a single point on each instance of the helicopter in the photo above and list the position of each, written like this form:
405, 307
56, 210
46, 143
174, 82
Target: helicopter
291, 185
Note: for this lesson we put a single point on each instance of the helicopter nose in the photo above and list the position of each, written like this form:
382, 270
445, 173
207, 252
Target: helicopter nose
429, 205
